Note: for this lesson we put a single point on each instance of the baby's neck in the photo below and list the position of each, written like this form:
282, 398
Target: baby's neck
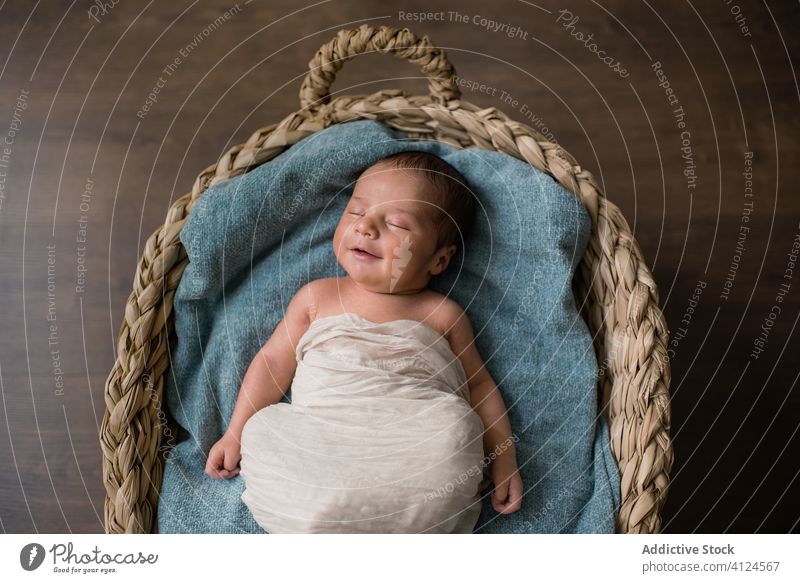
356, 290
338, 295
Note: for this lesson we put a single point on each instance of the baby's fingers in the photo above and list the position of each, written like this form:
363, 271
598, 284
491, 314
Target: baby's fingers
231, 460
223, 473
214, 464
514, 495
500, 495
214, 472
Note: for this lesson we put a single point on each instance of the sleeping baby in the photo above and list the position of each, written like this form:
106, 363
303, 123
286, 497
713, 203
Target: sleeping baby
392, 410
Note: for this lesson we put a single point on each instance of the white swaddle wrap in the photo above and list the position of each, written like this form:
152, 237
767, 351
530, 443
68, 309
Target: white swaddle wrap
380, 436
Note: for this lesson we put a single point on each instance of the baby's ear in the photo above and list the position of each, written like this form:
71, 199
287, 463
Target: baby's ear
443, 257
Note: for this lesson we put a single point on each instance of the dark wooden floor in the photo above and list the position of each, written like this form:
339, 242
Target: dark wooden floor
84, 79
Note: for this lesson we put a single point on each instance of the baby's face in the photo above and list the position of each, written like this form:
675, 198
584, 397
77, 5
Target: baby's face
386, 237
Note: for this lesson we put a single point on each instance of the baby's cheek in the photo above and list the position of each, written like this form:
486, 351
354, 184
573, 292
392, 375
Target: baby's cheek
403, 249
337, 241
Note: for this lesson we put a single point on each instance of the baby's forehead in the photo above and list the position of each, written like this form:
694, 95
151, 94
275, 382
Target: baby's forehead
420, 204
383, 169
381, 174
420, 199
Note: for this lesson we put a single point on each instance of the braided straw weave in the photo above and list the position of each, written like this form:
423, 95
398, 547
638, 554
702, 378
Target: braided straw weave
616, 292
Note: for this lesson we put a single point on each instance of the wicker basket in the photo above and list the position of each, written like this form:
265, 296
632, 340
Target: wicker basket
615, 290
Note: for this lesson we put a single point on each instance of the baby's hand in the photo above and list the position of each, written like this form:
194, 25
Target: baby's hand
224, 457
507, 495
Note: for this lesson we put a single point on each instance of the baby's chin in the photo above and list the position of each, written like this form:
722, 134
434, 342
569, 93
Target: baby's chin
371, 279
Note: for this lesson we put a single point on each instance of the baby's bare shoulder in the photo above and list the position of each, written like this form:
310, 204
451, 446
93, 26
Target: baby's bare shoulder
324, 284
445, 311
311, 294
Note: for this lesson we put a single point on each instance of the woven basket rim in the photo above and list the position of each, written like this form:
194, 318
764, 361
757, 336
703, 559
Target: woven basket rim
619, 298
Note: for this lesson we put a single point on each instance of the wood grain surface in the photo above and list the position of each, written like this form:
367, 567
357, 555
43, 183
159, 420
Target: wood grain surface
89, 165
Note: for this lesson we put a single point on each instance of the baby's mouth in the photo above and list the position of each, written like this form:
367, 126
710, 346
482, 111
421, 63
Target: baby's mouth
362, 253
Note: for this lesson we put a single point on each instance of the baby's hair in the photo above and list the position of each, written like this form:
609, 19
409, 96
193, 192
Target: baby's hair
448, 190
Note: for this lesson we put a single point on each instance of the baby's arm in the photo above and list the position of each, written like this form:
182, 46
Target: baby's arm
268, 377
487, 402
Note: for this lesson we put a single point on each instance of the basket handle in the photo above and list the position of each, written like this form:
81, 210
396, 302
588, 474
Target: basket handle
365, 39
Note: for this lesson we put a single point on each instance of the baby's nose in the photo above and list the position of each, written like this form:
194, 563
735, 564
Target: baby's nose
364, 226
